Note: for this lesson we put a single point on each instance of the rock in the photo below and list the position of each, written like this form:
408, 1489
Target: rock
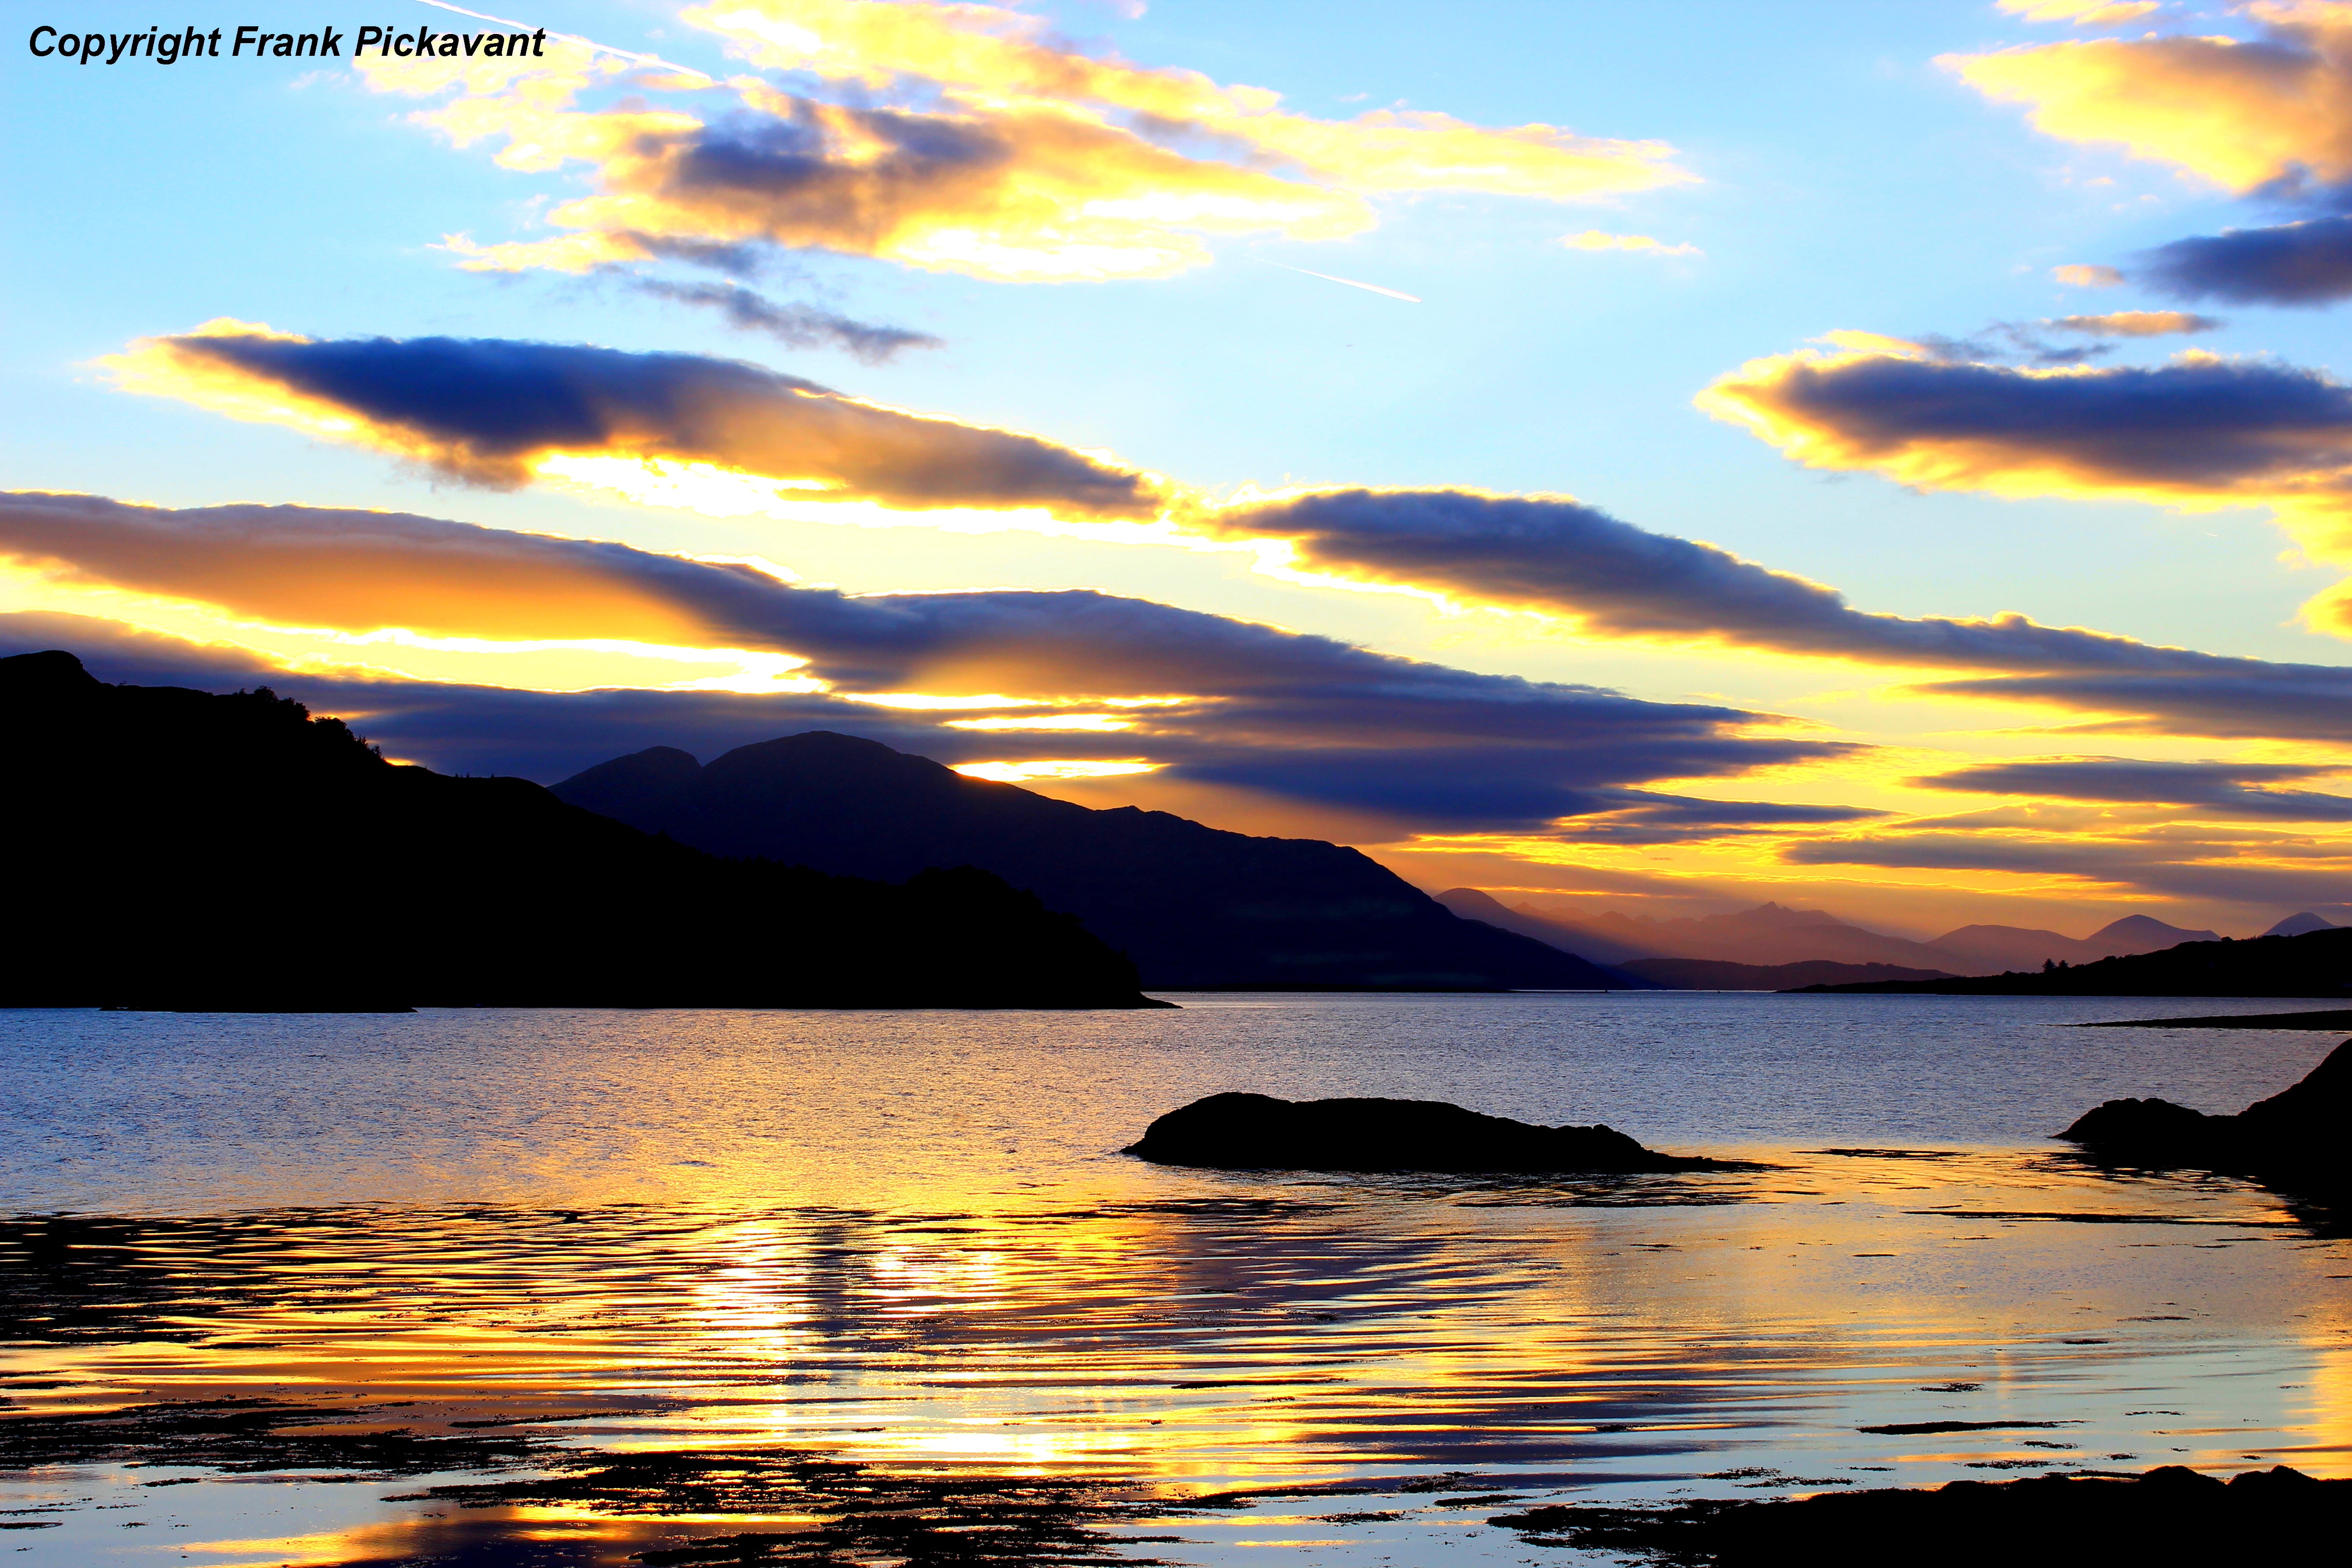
2142, 1124
1257, 1131
2294, 1138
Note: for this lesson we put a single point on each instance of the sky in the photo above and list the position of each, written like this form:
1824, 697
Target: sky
1885, 459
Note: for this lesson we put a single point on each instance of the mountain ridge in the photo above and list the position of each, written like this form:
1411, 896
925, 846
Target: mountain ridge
206, 852
1195, 907
1771, 935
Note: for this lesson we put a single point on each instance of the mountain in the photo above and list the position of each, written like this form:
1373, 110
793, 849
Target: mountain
1772, 934
1712, 974
1988, 949
1769, 935
1589, 945
175, 848
2316, 964
2296, 925
1194, 907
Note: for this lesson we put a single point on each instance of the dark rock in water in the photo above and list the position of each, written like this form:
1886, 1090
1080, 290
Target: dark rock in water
2172, 1516
2296, 1137
1257, 1133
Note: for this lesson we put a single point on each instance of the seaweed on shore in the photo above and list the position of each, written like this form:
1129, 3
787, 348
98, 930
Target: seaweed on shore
252, 1436
864, 1514
2167, 1517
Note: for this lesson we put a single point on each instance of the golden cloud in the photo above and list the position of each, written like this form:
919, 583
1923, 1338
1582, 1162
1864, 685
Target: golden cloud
1025, 162
2241, 115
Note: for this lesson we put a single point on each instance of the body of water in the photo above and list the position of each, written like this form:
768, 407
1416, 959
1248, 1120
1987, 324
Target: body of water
574, 1287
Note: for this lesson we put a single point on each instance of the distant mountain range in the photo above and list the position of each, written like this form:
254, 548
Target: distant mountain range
2314, 964
1770, 935
1712, 974
171, 849
1194, 907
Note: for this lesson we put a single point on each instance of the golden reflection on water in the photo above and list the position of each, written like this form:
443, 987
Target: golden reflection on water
1336, 1330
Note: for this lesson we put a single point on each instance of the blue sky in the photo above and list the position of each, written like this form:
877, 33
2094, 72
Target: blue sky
1829, 171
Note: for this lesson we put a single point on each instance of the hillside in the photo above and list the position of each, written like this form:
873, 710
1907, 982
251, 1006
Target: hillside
174, 848
2316, 964
1193, 906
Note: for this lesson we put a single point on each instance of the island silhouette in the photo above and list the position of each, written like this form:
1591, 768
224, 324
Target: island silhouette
177, 848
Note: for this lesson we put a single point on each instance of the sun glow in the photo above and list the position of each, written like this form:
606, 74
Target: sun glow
1095, 722
1065, 768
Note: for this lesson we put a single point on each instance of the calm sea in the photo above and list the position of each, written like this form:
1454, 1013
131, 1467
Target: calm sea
907, 1242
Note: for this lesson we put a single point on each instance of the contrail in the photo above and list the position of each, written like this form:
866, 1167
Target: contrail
1326, 277
575, 38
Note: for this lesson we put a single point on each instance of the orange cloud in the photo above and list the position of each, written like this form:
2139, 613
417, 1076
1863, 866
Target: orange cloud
2082, 275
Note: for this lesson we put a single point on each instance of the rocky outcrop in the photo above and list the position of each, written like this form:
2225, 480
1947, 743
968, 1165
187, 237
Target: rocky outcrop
1258, 1132
2296, 1137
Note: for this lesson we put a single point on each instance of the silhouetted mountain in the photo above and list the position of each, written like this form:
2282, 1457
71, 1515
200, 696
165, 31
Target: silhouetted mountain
2318, 963
1712, 974
1992, 949
173, 849
1769, 935
2296, 925
1194, 907
1566, 935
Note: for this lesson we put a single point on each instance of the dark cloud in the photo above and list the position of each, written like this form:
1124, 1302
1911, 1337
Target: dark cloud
2252, 702
488, 409
2243, 789
2307, 263
2031, 342
793, 325
1298, 716
1566, 558
2201, 425
364, 571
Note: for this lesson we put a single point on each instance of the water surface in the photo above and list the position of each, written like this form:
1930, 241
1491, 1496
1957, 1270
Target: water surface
907, 1240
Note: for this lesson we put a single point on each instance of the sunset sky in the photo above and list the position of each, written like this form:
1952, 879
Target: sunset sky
1883, 458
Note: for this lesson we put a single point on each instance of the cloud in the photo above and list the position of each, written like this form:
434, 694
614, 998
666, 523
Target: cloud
717, 435
2176, 865
2031, 341
2132, 324
2235, 699
1597, 239
2086, 276
1219, 700
1557, 556
2269, 119
2274, 115
964, 138
2231, 790
2200, 431
2307, 263
794, 326
986, 53
499, 412
2082, 12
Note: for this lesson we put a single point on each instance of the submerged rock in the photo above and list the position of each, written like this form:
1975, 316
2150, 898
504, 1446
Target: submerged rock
2295, 1136
2168, 1515
1257, 1131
